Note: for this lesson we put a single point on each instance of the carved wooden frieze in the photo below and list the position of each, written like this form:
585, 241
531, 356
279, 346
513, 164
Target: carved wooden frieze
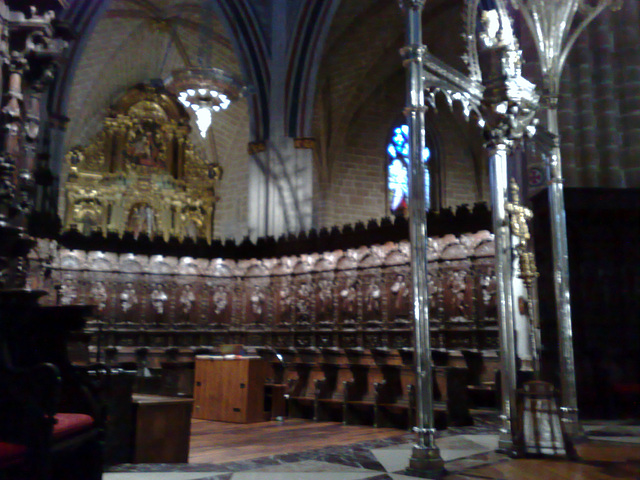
352, 299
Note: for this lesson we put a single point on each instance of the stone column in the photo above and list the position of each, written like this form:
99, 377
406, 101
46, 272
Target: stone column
280, 176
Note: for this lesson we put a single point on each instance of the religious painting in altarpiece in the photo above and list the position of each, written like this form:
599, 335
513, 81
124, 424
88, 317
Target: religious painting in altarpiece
141, 173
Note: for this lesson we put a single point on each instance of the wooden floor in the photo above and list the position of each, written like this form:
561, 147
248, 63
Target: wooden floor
598, 461
217, 442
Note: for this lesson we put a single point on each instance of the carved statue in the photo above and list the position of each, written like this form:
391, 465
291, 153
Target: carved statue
142, 220
187, 298
400, 291
458, 289
159, 298
99, 295
68, 292
220, 300
519, 215
348, 301
488, 287
325, 297
257, 302
303, 300
128, 298
373, 298
284, 302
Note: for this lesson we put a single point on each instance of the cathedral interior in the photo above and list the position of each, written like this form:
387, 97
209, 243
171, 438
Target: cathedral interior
185, 183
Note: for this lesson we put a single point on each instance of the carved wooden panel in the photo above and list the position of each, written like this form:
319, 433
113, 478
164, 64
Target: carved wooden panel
351, 299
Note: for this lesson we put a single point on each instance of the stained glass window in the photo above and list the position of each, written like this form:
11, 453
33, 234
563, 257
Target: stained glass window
398, 170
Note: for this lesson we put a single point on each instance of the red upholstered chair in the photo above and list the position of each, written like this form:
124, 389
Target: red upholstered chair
27, 415
36, 441
51, 417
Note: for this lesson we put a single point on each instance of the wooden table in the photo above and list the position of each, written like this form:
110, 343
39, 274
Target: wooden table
162, 429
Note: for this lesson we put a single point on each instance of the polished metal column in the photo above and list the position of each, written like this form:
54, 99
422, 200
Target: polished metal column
554, 32
504, 273
569, 393
425, 457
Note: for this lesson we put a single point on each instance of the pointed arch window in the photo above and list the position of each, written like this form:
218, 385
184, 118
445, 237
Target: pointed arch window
398, 164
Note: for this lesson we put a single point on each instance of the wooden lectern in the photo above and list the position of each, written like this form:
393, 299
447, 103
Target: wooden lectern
229, 389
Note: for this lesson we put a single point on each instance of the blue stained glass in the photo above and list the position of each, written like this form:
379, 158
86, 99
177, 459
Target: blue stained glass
398, 170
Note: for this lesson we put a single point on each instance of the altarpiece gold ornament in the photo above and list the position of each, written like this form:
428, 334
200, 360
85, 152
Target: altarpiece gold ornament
141, 173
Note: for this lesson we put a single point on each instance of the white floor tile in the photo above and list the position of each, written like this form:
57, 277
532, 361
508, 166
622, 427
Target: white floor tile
451, 448
158, 475
304, 475
393, 458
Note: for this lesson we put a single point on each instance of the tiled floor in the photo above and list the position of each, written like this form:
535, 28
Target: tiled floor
469, 453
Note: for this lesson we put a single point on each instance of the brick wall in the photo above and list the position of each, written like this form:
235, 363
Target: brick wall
357, 190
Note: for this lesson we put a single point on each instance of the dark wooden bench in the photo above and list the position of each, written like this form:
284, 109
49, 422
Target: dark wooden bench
331, 392
360, 395
481, 384
395, 397
177, 378
276, 382
453, 395
303, 388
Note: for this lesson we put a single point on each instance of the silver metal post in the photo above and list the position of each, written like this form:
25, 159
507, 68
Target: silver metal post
425, 457
569, 395
504, 266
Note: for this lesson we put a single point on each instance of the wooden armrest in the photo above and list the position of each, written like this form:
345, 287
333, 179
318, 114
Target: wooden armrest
379, 387
83, 389
383, 393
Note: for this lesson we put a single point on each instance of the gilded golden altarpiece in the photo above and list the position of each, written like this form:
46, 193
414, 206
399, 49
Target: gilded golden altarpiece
141, 173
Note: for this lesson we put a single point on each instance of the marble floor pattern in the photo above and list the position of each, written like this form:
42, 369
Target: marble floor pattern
465, 452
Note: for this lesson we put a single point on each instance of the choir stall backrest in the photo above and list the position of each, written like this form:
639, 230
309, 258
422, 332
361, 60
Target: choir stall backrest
220, 293
324, 280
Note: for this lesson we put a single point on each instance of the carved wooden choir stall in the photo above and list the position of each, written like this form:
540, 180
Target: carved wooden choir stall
335, 326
